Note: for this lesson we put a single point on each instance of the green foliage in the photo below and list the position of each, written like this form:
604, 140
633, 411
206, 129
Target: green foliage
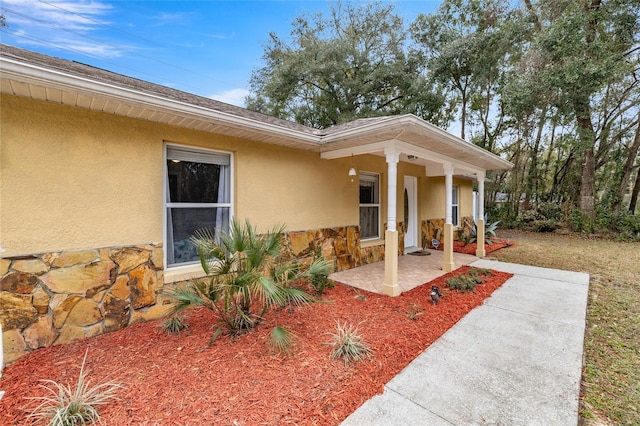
64, 406
543, 217
174, 324
623, 225
466, 46
281, 340
348, 344
245, 277
471, 233
319, 273
468, 281
351, 64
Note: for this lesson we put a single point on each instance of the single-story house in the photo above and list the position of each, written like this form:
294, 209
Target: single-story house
104, 178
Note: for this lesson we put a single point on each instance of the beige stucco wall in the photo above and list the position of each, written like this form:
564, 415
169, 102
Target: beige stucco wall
432, 192
73, 179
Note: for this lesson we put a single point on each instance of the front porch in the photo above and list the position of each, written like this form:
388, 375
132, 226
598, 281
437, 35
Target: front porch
413, 271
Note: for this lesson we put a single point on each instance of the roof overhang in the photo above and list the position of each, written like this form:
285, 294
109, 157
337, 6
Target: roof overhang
417, 141
38, 82
414, 139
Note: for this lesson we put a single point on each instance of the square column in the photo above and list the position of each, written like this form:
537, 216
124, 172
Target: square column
390, 287
480, 225
448, 264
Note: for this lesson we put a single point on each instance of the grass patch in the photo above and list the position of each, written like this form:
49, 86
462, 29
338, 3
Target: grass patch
611, 377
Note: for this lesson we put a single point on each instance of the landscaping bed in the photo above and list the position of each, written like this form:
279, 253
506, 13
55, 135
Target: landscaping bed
179, 379
470, 248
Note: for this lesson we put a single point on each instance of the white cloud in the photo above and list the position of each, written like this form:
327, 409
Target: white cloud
68, 15
232, 96
63, 24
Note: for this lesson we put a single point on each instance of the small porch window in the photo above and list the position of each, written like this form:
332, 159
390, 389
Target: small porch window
369, 206
197, 195
454, 206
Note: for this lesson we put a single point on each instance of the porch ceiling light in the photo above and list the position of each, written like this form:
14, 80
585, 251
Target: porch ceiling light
352, 170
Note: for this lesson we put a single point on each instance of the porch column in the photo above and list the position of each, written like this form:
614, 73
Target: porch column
448, 265
480, 251
390, 286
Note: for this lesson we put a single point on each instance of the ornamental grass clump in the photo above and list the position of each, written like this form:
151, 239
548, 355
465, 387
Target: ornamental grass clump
246, 277
64, 406
348, 344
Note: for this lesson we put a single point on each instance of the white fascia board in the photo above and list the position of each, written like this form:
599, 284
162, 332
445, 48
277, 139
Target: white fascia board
400, 147
431, 130
368, 148
32, 74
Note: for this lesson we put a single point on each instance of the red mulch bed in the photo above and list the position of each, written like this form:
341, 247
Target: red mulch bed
470, 248
178, 379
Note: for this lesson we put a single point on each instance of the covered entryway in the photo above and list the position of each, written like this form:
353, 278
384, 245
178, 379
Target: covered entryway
410, 139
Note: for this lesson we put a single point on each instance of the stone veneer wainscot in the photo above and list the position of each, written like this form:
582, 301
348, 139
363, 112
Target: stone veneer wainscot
57, 297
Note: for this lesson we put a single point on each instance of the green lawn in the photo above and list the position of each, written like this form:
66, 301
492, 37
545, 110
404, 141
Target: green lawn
611, 371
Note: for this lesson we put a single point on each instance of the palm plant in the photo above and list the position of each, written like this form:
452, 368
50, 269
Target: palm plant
489, 231
245, 277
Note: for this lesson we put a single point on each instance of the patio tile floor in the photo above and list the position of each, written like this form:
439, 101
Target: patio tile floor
412, 271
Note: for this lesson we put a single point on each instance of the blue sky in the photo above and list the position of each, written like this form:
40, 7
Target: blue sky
204, 47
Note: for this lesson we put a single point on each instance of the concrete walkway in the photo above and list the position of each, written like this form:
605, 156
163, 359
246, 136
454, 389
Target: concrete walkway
515, 360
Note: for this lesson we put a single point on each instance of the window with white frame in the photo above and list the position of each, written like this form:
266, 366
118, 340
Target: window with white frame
369, 206
454, 205
197, 196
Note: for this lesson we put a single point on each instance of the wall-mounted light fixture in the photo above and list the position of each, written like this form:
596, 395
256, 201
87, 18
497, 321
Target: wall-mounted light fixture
352, 170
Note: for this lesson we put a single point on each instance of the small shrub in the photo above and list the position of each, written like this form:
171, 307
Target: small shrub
319, 275
415, 311
348, 344
65, 406
174, 324
468, 281
544, 225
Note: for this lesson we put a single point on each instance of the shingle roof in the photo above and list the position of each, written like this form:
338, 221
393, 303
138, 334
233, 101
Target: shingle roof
99, 74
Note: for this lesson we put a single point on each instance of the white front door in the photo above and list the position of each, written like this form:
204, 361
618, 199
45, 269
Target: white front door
411, 211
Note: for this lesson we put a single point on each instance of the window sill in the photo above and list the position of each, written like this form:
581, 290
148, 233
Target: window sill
183, 273
371, 243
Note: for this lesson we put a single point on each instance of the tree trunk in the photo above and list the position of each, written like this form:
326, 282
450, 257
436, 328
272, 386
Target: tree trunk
533, 177
587, 183
586, 137
585, 127
634, 193
628, 168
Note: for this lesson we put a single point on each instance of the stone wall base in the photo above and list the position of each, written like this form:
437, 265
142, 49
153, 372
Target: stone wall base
53, 298
340, 245
57, 297
433, 229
